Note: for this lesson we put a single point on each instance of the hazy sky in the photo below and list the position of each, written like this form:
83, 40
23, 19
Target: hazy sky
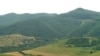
48, 6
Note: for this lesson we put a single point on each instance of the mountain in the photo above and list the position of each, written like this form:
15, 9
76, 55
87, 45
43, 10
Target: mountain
76, 23
48, 28
53, 25
81, 13
11, 18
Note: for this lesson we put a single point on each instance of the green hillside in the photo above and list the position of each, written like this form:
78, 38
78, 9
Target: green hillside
95, 54
77, 23
81, 13
61, 49
44, 29
40, 31
15, 42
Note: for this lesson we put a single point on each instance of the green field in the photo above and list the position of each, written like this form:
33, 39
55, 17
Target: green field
61, 50
5, 55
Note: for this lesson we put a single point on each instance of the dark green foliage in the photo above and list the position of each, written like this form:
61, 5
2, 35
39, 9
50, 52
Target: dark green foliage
95, 31
97, 47
83, 30
79, 42
95, 42
24, 54
84, 42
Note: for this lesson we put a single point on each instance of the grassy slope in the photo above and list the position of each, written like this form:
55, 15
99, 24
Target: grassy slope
5, 55
13, 40
58, 49
95, 54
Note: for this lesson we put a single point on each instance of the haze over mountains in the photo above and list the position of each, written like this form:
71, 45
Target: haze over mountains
48, 28
52, 25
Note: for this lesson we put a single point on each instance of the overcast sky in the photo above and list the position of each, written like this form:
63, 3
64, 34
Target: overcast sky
48, 6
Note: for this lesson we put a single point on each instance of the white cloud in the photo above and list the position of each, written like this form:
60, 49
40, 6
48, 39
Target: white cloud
49, 6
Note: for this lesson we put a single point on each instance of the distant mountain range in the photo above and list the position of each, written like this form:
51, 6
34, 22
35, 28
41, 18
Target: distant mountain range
47, 28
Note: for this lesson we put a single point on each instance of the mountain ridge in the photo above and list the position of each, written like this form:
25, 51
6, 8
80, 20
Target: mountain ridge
48, 28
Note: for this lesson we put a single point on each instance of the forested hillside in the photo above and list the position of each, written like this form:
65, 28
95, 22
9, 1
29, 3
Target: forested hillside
49, 28
78, 22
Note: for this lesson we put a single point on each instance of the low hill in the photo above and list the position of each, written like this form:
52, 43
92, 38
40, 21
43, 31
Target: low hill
59, 48
15, 42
